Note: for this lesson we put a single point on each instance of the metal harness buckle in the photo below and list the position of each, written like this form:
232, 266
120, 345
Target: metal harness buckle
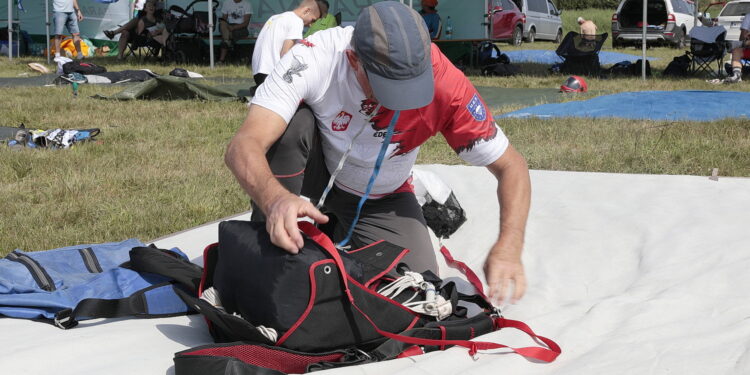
64, 319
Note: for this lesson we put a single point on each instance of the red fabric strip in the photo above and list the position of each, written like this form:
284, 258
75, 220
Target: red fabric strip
411, 351
473, 279
289, 175
321, 239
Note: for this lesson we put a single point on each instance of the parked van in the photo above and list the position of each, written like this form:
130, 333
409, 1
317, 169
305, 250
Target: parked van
542, 20
668, 22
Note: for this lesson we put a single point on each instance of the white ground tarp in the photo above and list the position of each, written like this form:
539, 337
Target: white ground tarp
630, 274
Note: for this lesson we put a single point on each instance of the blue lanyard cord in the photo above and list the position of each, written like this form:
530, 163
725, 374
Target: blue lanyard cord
375, 171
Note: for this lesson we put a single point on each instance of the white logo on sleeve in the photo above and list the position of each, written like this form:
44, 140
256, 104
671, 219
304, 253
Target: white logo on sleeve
476, 108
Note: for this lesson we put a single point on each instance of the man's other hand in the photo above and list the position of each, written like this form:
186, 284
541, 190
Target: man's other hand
281, 220
503, 272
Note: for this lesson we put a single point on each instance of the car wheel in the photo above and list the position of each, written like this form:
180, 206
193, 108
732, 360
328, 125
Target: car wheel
616, 43
680, 40
532, 36
558, 38
517, 38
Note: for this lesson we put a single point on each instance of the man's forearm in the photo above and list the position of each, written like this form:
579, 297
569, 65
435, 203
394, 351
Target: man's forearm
248, 164
514, 195
246, 156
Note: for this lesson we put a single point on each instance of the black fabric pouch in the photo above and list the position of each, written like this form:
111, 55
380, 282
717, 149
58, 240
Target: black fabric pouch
301, 296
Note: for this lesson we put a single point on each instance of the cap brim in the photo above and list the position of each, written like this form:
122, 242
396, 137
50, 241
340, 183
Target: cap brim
403, 94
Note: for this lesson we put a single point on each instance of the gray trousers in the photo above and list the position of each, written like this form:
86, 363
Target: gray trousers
296, 160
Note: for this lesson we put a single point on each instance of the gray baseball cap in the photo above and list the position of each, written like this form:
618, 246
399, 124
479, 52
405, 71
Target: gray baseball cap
393, 46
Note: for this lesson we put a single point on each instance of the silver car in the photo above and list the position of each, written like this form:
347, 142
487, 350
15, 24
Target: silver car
542, 20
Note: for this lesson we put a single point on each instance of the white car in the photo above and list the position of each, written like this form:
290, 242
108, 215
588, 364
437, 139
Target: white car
731, 17
668, 22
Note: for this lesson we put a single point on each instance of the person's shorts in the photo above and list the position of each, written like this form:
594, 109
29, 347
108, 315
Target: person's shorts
66, 19
239, 34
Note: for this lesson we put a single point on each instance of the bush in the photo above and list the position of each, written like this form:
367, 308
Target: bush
582, 4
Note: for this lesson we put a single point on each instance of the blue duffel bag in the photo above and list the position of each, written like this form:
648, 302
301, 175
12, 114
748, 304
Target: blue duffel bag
81, 282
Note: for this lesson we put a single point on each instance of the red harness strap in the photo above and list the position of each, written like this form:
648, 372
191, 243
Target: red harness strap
539, 353
473, 279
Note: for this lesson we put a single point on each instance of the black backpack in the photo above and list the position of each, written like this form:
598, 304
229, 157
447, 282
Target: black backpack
678, 67
82, 68
272, 312
636, 69
488, 53
501, 70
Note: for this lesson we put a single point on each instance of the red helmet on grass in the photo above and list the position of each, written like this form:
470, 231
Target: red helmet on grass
574, 84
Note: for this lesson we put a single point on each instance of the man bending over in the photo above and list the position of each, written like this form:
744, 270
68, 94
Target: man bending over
359, 87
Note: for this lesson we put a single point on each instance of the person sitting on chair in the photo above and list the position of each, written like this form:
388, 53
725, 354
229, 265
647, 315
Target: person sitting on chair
235, 16
130, 29
278, 35
588, 28
431, 18
740, 50
326, 20
152, 25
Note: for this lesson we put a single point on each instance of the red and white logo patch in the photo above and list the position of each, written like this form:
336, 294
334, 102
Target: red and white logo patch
341, 122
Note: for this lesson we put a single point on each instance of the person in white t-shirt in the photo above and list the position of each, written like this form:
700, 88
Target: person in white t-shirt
740, 50
235, 16
382, 87
278, 35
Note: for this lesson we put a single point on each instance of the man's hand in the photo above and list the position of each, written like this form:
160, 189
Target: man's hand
281, 220
79, 14
503, 268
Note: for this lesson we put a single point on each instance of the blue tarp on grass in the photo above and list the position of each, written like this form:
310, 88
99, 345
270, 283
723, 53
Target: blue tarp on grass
550, 57
651, 105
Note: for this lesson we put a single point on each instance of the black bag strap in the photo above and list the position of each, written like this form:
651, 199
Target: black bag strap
133, 305
168, 264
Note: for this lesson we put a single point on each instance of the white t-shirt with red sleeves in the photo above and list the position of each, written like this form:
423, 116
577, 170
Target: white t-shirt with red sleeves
275, 31
321, 76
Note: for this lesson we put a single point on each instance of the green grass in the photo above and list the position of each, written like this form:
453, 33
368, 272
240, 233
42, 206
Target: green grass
157, 167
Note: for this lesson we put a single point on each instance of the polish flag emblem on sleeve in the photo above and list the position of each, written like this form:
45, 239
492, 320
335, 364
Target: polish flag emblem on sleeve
341, 122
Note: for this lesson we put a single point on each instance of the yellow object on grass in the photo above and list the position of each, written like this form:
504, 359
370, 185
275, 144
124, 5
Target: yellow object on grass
67, 48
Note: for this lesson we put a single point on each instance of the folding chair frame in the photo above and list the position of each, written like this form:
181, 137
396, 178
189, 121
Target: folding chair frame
703, 55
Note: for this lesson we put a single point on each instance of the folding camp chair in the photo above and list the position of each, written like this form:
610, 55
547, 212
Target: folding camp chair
707, 49
142, 47
580, 53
